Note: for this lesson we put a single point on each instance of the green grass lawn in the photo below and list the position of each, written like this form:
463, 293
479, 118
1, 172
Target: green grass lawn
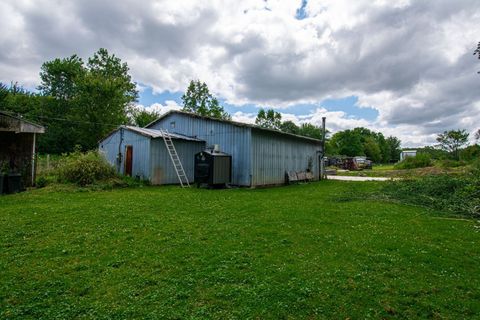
378, 170
383, 167
305, 251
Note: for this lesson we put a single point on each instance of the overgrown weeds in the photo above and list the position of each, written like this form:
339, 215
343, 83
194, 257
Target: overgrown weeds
89, 169
448, 163
84, 168
421, 160
458, 193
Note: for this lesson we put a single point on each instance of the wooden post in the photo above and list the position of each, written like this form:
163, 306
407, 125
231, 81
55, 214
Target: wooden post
322, 163
33, 160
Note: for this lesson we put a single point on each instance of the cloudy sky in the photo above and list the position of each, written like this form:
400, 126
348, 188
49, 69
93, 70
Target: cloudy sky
405, 68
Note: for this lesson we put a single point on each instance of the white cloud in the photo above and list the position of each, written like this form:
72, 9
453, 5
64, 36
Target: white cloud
161, 108
240, 116
410, 60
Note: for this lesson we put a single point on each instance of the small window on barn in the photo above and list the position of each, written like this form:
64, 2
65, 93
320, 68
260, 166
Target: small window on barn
172, 124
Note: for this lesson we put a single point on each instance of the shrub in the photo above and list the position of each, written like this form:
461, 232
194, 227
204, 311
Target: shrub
451, 163
84, 168
421, 160
470, 153
41, 182
4, 167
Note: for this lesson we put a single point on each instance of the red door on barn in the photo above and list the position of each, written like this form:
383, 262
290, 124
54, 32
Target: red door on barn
128, 160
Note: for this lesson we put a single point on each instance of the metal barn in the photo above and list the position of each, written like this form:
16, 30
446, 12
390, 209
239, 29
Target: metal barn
141, 153
259, 156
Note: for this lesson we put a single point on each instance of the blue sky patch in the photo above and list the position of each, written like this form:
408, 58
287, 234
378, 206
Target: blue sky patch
350, 107
147, 97
346, 104
301, 13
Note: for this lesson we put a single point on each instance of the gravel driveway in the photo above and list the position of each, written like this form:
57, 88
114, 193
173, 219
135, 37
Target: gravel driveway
349, 178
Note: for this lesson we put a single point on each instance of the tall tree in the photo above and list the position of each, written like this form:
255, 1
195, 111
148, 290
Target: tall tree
289, 127
384, 147
142, 117
93, 98
110, 68
60, 77
105, 96
362, 141
452, 140
348, 143
369, 138
59, 81
269, 119
393, 148
45, 110
198, 99
372, 149
310, 130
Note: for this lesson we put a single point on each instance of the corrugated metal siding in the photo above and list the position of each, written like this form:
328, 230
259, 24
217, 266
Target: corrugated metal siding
221, 170
273, 155
232, 140
109, 147
162, 170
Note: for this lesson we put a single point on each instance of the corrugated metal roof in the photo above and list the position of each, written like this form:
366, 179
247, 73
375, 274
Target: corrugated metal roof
158, 134
235, 123
10, 122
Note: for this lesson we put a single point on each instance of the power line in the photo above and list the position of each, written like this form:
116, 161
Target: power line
212, 133
76, 121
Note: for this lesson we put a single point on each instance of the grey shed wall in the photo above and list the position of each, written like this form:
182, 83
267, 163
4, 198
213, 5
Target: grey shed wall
232, 139
162, 170
150, 158
273, 154
109, 147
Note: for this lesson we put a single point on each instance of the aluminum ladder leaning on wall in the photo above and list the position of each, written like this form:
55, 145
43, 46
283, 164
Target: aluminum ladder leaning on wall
177, 164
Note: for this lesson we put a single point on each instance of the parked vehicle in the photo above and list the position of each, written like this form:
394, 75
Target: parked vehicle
363, 162
350, 163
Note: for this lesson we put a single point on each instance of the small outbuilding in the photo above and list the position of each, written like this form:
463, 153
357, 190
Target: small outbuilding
407, 153
142, 153
18, 146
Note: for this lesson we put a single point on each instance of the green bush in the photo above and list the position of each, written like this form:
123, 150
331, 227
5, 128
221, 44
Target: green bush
84, 168
470, 153
455, 193
451, 163
421, 160
41, 182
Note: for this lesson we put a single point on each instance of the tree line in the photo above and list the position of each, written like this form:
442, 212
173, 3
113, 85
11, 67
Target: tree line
79, 102
356, 142
272, 119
